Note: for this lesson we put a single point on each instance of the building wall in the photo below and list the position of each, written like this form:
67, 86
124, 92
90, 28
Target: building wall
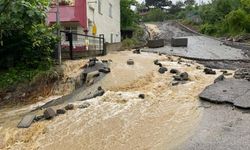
106, 24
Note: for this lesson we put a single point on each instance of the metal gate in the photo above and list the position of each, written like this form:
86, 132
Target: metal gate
76, 46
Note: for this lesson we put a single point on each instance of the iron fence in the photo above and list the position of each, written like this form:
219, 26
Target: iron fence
75, 45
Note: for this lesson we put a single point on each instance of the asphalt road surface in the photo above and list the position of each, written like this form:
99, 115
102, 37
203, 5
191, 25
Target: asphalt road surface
203, 48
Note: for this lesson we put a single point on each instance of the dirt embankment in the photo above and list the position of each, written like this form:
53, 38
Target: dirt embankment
120, 119
57, 81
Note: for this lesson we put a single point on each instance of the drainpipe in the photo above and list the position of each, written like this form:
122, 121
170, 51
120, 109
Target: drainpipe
59, 49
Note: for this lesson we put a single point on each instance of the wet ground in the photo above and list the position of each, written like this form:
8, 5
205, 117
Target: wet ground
221, 127
199, 47
120, 120
202, 48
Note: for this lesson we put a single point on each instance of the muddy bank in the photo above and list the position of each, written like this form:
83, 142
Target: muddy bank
120, 119
57, 81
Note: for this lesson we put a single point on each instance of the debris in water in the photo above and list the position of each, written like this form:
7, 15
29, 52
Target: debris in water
184, 76
49, 113
84, 105
98, 92
137, 51
174, 71
60, 111
198, 67
174, 83
39, 118
142, 96
209, 71
130, 62
242, 73
162, 70
69, 107
104, 70
26, 121
156, 62
220, 78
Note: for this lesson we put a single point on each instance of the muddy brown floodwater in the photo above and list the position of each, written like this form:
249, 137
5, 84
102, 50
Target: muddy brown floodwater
120, 120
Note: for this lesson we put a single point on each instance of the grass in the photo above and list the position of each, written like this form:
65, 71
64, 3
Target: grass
14, 76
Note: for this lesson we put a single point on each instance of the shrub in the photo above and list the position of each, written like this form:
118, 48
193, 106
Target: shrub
129, 43
208, 29
237, 21
27, 41
155, 15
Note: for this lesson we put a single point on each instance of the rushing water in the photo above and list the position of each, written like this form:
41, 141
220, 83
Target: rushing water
120, 120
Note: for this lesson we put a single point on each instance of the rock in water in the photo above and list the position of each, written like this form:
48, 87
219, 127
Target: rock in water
39, 118
184, 76
60, 111
142, 96
69, 107
177, 78
105, 70
92, 63
162, 70
26, 121
130, 62
137, 51
174, 71
242, 73
84, 105
156, 62
220, 78
174, 83
49, 113
209, 71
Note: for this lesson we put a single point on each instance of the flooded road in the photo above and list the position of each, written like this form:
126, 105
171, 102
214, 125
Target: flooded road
120, 120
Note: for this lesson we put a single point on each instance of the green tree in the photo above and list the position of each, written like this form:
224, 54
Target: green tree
155, 15
237, 21
128, 16
158, 3
189, 2
246, 5
175, 8
26, 39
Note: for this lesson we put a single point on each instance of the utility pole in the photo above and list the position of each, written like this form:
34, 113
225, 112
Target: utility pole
59, 49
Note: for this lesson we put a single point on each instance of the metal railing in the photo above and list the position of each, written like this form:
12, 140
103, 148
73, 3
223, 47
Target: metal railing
75, 45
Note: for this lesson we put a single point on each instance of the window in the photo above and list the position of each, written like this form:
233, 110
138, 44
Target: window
73, 30
110, 10
100, 6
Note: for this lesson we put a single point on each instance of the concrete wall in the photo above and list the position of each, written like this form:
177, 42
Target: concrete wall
106, 24
113, 46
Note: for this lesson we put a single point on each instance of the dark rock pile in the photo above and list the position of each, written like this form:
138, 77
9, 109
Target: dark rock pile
220, 78
130, 62
209, 71
48, 114
242, 73
162, 70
